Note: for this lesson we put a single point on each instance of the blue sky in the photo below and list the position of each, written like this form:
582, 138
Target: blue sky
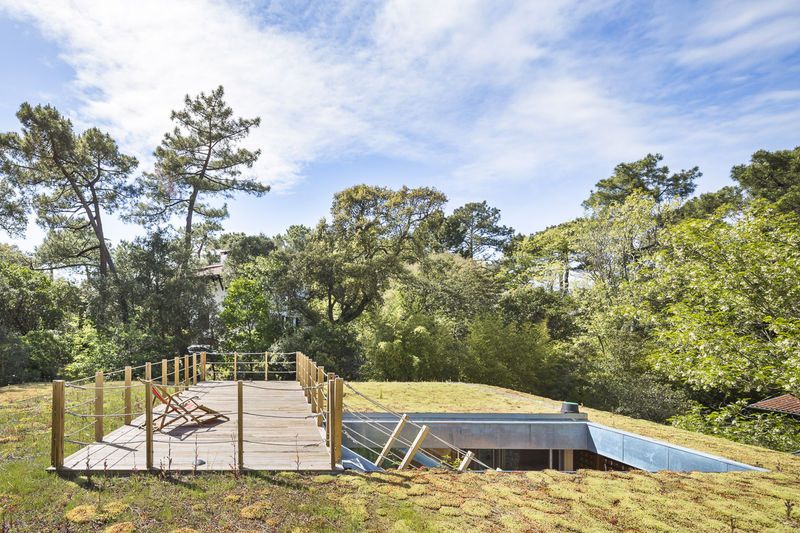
523, 104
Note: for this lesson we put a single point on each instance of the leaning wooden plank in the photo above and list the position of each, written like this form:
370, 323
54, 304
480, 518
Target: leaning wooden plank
415, 446
393, 437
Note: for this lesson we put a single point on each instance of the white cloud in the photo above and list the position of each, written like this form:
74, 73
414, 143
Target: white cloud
488, 91
747, 32
133, 65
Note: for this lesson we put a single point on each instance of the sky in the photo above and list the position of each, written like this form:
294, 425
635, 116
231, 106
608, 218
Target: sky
523, 104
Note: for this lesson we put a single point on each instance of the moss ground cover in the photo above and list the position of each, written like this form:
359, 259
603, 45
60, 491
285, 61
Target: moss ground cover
34, 500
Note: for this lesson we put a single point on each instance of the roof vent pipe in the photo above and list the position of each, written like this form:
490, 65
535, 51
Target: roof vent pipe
569, 408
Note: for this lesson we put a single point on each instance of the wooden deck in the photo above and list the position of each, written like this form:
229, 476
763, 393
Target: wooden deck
279, 434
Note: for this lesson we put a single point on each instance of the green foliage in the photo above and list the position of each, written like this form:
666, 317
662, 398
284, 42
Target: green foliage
249, 317
531, 304
241, 249
646, 176
547, 257
407, 345
510, 355
616, 236
92, 353
337, 271
332, 345
170, 306
198, 159
772, 176
710, 202
34, 313
447, 285
728, 289
736, 423
474, 231
74, 179
13, 209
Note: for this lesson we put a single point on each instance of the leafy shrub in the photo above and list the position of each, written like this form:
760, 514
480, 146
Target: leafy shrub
737, 423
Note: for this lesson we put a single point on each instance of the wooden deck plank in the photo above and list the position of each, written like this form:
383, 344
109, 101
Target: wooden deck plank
279, 434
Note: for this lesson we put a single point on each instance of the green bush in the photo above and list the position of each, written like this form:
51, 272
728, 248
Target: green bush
92, 353
735, 422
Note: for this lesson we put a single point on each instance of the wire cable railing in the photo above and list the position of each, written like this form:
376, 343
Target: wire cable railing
85, 411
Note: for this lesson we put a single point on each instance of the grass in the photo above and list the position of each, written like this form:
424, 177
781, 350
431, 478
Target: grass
33, 500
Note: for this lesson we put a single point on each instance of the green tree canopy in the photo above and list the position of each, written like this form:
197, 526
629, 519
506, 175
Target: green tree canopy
76, 178
475, 232
729, 289
13, 208
346, 264
773, 176
199, 159
646, 176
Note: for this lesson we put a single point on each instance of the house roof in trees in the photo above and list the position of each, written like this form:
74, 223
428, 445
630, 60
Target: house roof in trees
787, 404
214, 270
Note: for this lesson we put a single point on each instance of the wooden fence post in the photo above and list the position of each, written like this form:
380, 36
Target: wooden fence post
320, 394
393, 437
415, 446
164, 372
331, 417
98, 406
306, 378
57, 431
312, 382
194, 369
240, 422
127, 395
337, 441
177, 371
297, 366
331, 413
202, 366
186, 378
266, 366
148, 423
148, 371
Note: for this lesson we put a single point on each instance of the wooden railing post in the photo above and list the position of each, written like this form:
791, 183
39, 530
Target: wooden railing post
177, 371
337, 428
320, 393
194, 369
307, 377
202, 366
148, 371
186, 381
148, 423
312, 382
164, 372
127, 395
329, 431
57, 431
240, 422
235, 365
415, 446
466, 461
311, 373
331, 414
98, 406
393, 437
266, 366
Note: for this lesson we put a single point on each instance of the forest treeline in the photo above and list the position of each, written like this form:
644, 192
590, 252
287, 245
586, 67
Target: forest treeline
656, 303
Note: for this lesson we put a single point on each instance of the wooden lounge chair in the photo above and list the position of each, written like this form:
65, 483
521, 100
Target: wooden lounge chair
186, 409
